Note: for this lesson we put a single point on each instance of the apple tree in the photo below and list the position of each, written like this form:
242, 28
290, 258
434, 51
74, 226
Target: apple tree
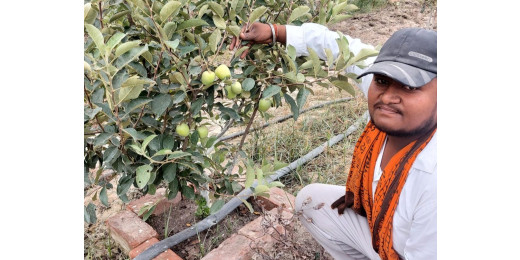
158, 72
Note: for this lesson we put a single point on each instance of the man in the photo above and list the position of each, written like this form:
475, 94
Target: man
389, 208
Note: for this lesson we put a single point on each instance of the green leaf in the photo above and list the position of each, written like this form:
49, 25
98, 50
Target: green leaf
148, 56
89, 213
172, 7
196, 106
338, 8
103, 196
216, 8
294, 108
173, 188
188, 192
235, 30
217, 205
130, 56
91, 113
259, 11
178, 97
136, 135
279, 165
248, 84
178, 154
219, 22
271, 91
96, 36
146, 141
124, 47
230, 112
262, 190
110, 154
131, 88
248, 205
136, 103
149, 212
102, 139
259, 175
250, 176
169, 172
338, 18
113, 41
118, 15
169, 29
330, 57
214, 40
162, 152
160, 103
143, 175
123, 186
301, 98
291, 51
191, 23
168, 142
344, 85
276, 184
298, 12
172, 44
89, 13
363, 54
315, 61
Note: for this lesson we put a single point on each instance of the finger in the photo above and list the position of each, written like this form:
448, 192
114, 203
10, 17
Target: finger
337, 202
341, 208
233, 42
246, 51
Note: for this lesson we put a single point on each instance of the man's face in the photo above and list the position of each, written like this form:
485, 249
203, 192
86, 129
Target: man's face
400, 110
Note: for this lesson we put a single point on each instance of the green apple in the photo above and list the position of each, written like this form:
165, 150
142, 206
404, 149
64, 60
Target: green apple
230, 93
182, 129
223, 72
208, 77
236, 87
203, 131
264, 104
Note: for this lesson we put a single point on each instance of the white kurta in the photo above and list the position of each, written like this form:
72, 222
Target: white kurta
415, 219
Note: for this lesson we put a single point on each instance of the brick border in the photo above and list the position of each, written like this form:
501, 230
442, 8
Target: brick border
135, 235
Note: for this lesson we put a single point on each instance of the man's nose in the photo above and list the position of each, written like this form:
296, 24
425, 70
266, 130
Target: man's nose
390, 95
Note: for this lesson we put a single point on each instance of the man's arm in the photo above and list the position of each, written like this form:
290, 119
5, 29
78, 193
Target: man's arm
309, 35
319, 38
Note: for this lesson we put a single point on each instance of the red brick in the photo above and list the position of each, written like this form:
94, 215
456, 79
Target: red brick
166, 255
162, 206
252, 235
277, 197
128, 230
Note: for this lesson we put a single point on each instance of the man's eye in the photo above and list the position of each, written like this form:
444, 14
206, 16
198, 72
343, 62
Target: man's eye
382, 81
408, 88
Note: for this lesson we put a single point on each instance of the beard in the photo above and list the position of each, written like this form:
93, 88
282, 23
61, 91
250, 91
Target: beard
418, 131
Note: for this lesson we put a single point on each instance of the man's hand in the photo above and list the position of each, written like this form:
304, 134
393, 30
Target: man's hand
343, 202
256, 33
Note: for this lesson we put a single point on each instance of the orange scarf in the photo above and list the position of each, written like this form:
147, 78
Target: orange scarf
380, 210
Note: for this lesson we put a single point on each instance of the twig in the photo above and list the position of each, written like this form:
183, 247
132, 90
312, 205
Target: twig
100, 15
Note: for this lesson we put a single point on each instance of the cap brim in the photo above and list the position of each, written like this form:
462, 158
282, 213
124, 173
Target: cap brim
405, 74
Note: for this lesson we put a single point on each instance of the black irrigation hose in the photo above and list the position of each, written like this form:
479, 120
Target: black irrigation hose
213, 219
285, 118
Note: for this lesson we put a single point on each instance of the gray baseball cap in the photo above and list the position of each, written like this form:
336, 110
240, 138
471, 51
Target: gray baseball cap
409, 56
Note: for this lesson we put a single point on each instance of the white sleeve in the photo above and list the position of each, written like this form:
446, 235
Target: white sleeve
319, 38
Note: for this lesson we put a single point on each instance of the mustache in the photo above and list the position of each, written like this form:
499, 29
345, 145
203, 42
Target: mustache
380, 104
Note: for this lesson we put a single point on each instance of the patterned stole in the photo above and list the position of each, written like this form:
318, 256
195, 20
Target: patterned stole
380, 213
